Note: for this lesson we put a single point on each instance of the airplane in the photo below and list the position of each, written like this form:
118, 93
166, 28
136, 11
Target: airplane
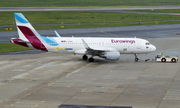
108, 48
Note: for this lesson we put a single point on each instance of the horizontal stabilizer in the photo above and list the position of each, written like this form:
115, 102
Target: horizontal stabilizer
19, 40
24, 41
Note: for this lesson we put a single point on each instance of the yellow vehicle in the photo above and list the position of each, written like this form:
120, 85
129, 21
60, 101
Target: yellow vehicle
162, 58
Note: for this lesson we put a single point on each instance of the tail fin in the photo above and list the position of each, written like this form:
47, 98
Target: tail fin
27, 34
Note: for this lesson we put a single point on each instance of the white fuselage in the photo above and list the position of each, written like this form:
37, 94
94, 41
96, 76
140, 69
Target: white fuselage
108, 48
122, 45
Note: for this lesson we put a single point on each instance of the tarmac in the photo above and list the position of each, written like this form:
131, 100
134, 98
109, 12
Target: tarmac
49, 80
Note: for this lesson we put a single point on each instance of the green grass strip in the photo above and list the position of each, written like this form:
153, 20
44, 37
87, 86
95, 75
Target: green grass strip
103, 25
75, 17
95, 25
10, 47
85, 3
158, 10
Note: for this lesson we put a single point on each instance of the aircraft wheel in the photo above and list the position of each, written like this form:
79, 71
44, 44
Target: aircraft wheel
85, 57
136, 59
91, 59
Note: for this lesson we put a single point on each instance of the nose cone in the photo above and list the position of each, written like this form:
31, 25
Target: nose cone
153, 48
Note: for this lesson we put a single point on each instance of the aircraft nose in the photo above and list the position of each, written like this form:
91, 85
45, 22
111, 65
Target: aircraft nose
153, 48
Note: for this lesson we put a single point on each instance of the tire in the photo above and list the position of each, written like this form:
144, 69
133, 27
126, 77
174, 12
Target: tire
91, 59
136, 59
173, 60
163, 60
85, 57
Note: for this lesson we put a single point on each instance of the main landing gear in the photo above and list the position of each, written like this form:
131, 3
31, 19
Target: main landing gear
136, 58
91, 59
85, 57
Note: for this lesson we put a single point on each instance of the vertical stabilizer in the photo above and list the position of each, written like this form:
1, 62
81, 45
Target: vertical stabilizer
27, 33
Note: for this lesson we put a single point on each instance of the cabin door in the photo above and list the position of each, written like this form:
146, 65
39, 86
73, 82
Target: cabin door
138, 44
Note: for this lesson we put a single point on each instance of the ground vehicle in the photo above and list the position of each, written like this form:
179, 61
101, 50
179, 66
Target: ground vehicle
163, 58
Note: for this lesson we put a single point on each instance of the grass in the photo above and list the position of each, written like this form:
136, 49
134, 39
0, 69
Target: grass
10, 47
75, 17
85, 3
105, 25
159, 10
96, 25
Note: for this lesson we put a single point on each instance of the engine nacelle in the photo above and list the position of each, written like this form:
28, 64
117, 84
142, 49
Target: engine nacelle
111, 55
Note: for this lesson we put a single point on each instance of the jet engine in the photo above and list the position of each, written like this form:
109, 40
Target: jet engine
110, 55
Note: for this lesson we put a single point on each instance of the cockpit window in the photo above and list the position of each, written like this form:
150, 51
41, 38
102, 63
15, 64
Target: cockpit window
147, 43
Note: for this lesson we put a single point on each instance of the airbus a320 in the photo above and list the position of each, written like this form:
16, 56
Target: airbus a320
108, 48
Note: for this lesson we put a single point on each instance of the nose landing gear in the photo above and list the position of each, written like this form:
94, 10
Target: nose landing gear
136, 58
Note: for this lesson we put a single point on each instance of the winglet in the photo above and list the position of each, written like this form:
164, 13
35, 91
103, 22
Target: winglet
85, 44
57, 33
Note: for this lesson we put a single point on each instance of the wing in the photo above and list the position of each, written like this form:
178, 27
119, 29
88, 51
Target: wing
97, 48
89, 49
